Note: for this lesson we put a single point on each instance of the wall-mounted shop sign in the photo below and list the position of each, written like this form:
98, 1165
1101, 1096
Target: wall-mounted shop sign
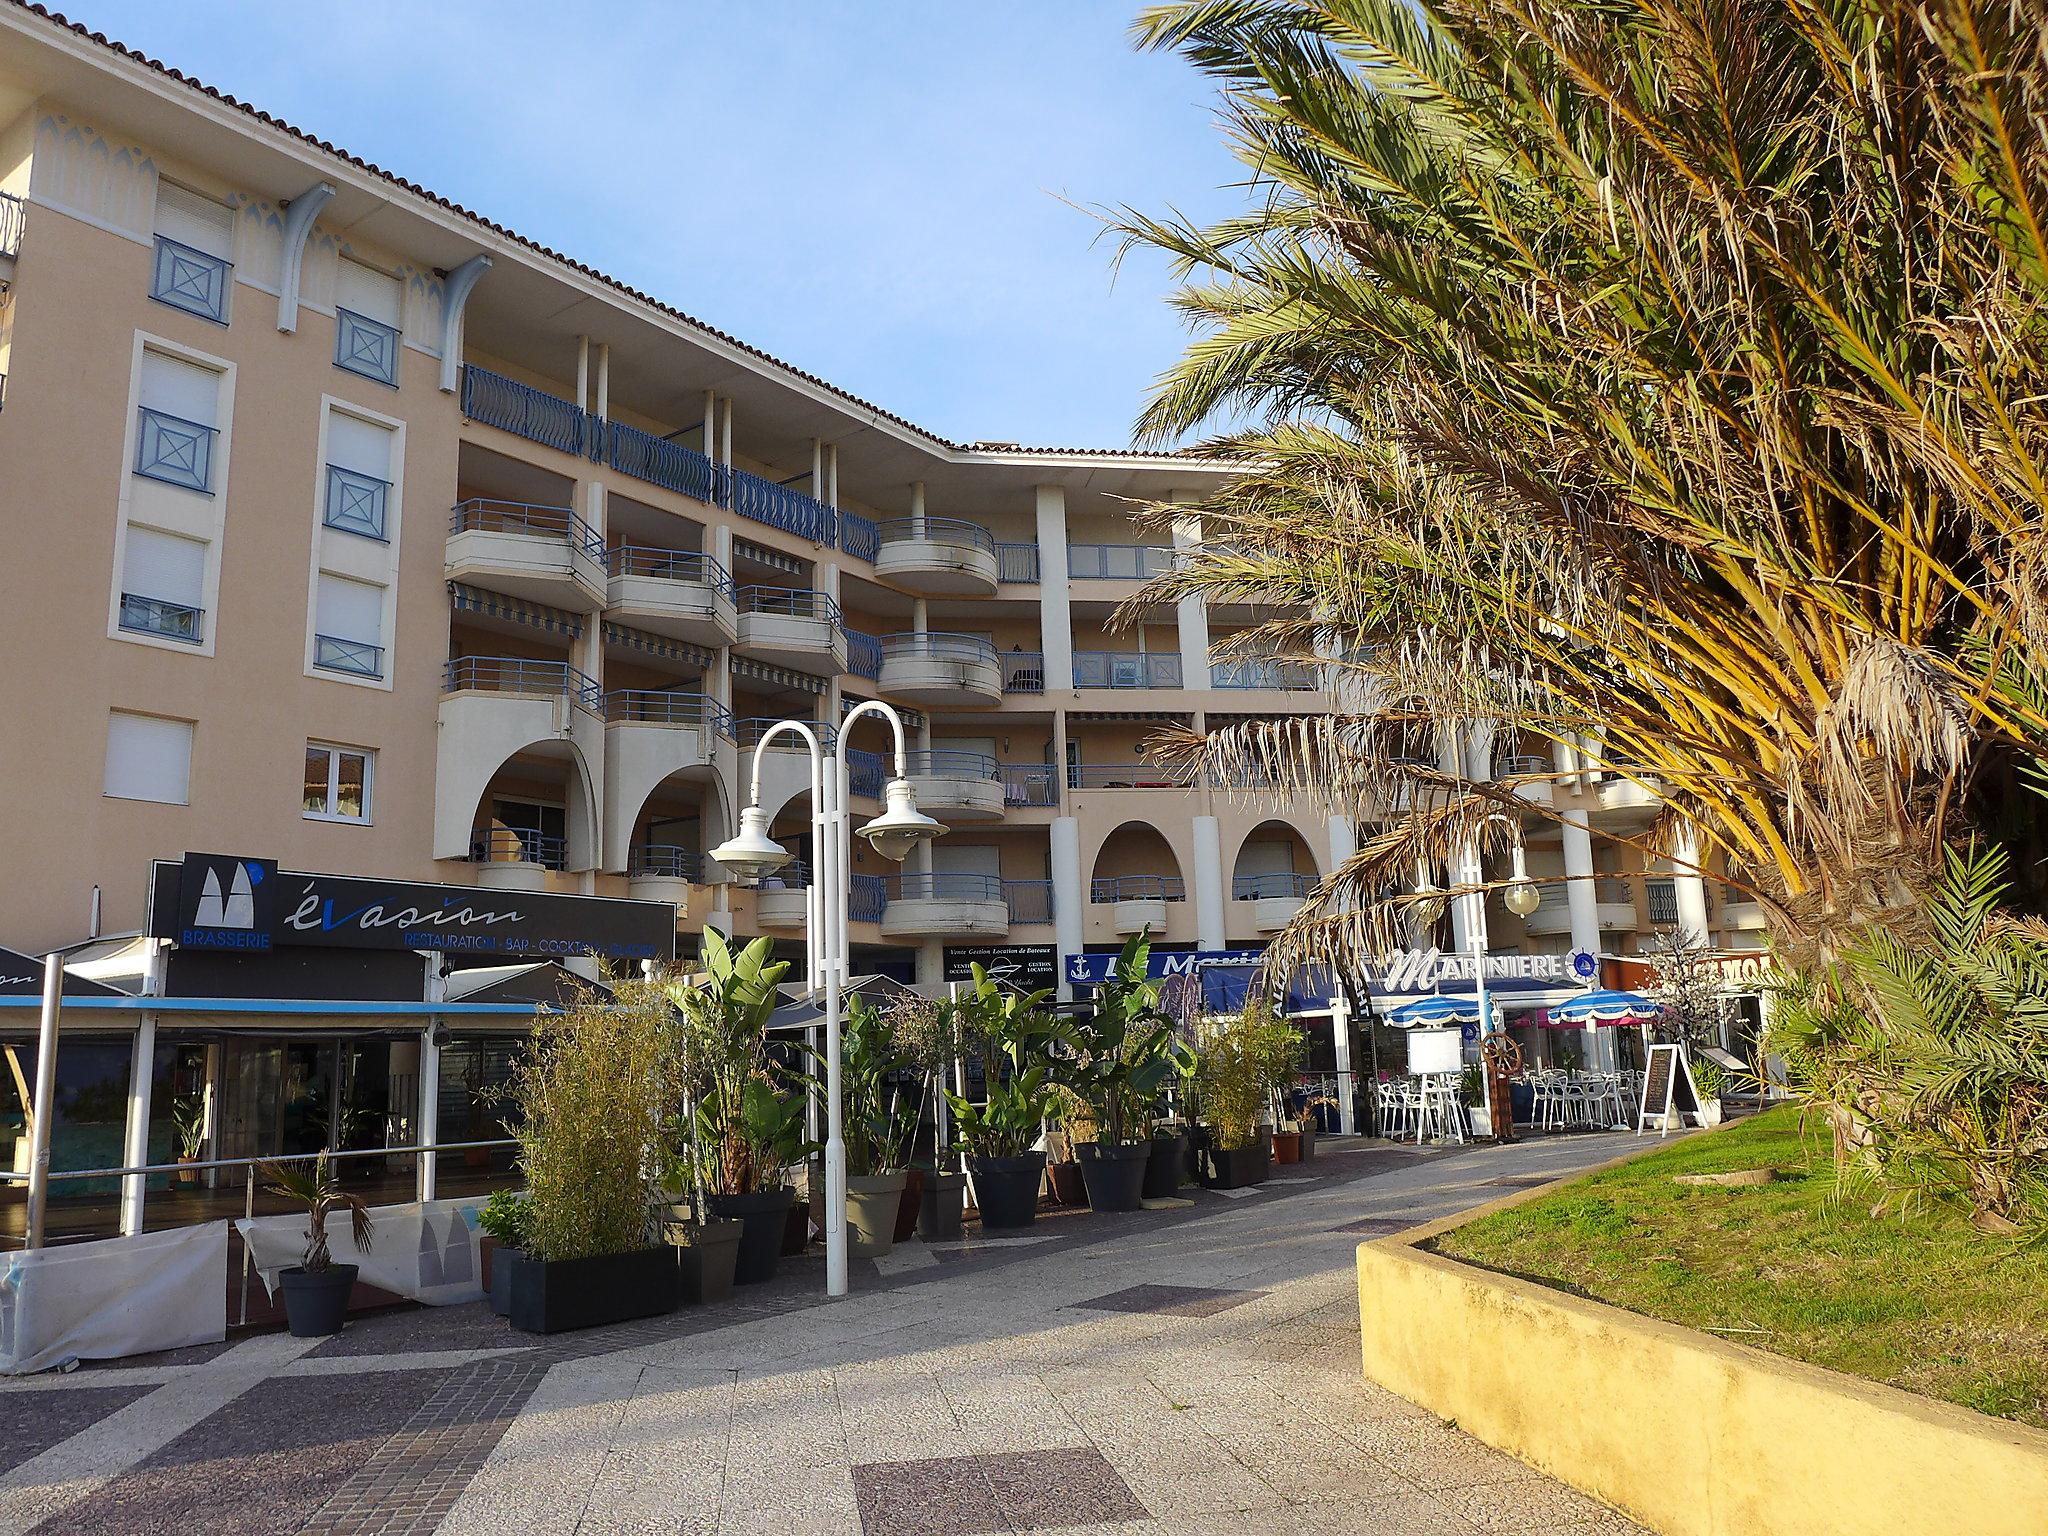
1408, 971
226, 902
1030, 966
1090, 970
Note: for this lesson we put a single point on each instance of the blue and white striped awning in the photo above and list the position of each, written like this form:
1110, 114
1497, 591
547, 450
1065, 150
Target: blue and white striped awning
1608, 1007
629, 638
513, 610
1435, 1013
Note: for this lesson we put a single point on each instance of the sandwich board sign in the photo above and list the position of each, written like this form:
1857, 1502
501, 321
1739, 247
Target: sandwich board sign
1668, 1090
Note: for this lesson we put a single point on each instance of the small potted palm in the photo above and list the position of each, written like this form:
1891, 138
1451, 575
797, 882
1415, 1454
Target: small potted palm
316, 1289
879, 1125
188, 1125
1001, 1135
504, 1222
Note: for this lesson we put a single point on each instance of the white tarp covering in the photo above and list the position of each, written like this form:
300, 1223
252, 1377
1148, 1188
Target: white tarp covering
423, 1252
119, 1296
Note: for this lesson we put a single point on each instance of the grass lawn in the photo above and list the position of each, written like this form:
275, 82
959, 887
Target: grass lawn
1923, 1304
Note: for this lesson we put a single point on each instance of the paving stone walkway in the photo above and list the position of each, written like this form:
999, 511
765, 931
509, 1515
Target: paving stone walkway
1188, 1371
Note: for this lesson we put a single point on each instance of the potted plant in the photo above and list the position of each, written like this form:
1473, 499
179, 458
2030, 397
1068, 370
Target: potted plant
1118, 1057
1012, 1032
503, 1222
748, 1123
1241, 1063
706, 1247
590, 1099
878, 1129
316, 1289
188, 1125
1710, 1078
1181, 999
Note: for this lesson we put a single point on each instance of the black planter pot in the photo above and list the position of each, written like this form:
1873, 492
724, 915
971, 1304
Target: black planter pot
315, 1304
938, 1210
501, 1278
765, 1216
1115, 1173
1162, 1170
554, 1296
1006, 1188
705, 1257
1237, 1167
796, 1229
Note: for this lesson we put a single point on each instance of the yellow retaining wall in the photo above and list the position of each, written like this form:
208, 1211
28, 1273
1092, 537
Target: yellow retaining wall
1689, 1434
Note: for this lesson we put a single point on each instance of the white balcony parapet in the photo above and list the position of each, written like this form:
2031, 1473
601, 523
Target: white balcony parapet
928, 668
944, 556
544, 554
678, 593
946, 904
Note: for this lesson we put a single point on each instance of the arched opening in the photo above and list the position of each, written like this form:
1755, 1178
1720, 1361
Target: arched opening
675, 829
536, 813
1135, 863
1273, 860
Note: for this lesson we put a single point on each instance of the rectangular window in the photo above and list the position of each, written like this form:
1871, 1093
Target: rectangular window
148, 758
337, 783
359, 455
163, 584
348, 626
175, 431
368, 309
195, 247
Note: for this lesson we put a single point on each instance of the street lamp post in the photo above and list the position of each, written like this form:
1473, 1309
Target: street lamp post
752, 853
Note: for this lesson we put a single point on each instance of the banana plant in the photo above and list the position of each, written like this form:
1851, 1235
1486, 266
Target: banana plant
1014, 1035
1122, 1053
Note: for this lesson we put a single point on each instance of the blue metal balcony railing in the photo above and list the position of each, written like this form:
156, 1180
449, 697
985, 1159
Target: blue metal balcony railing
665, 861
1128, 776
10, 224
356, 503
790, 602
938, 646
1138, 888
1663, 896
191, 280
522, 674
660, 706
518, 845
482, 514
1115, 669
1117, 562
1289, 676
866, 773
176, 451
859, 536
1521, 765
524, 411
358, 658
1023, 671
1034, 784
763, 501
1017, 562
953, 763
748, 731
866, 896
154, 616
1030, 901
945, 885
660, 462
939, 530
863, 654
1279, 883
365, 346
670, 565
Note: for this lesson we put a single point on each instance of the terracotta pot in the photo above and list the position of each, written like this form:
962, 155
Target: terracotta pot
1287, 1146
913, 1196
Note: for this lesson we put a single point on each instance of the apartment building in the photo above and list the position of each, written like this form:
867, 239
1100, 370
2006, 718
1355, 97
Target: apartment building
350, 528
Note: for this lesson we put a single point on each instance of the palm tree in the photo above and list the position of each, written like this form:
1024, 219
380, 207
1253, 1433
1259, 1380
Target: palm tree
1663, 381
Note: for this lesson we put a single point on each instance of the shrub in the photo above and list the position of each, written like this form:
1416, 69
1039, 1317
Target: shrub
1240, 1066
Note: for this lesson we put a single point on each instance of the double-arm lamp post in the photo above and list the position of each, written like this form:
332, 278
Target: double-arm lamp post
752, 853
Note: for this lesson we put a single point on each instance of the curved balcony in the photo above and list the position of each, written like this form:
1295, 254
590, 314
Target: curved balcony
1746, 916
1137, 901
1274, 898
493, 707
514, 859
673, 592
945, 905
664, 872
792, 626
1614, 904
1537, 787
1553, 912
544, 554
783, 899
941, 669
941, 556
1627, 800
957, 785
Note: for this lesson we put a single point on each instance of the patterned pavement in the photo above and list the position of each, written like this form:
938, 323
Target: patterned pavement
1192, 1370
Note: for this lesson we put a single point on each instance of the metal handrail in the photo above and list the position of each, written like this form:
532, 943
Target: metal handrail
866, 772
524, 411
1128, 776
1023, 671
791, 602
763, 501
160, 616
150, 465
1274, 883
952, 763
661, 706
484, 514
11, 221
517, 845
670, 565
359, 658
945, 885
1515, 767
939, 530
1030, 901
1033, 784
863, 654
1117, 562
664, 861
749, 729
1017, 563
521, 674
1138, 888
659, 461
1662, 897
1126, 669
793, 876
859, 536
937, 645
1246, 672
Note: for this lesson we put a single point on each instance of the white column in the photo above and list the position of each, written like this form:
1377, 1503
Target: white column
1191, 613
1583, 898
725, 432
832, 476
1343, 840
582, 373
710, 444
1689, 888
429, 1117
604, 378
1069, 899
135, 1143
931, 965
1055, 615
917, 509
1347, 1088
1210, 928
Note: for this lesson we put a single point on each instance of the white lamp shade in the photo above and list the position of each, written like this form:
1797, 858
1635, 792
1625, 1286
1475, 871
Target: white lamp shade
751, 853
901, 826
1522, 898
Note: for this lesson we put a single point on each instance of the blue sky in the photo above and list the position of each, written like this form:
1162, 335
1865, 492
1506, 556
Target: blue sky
881, 193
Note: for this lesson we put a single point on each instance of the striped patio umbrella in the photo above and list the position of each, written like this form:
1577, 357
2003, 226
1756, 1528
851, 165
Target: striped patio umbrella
1608, 1007
1434, 1013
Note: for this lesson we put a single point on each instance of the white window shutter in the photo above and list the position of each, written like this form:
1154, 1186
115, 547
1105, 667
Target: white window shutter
181, 389
360, 445
148, 758
164, 566
192, 219
1266, 858
350, 610
966, 859
369, 293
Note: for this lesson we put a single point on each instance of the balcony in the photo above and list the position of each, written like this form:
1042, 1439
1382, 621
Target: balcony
1137, 902
165, 620
673, 592
1553, 914
955, 785
1538, 790
1116, 669
1614, 904
659, 461
794, 627
1031, 785
496, 401
515, 859
941, 669
650, 736
1117, 562
664, 872
1744, 916
1023, 672
1129, 776
783, 899
1628, 800
859, 536
1273, 898
863, 654
946, 905
1017, 564
544, 554
939, 556
1029, 901
777, 506
10, 226
866, 773
1273, 676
